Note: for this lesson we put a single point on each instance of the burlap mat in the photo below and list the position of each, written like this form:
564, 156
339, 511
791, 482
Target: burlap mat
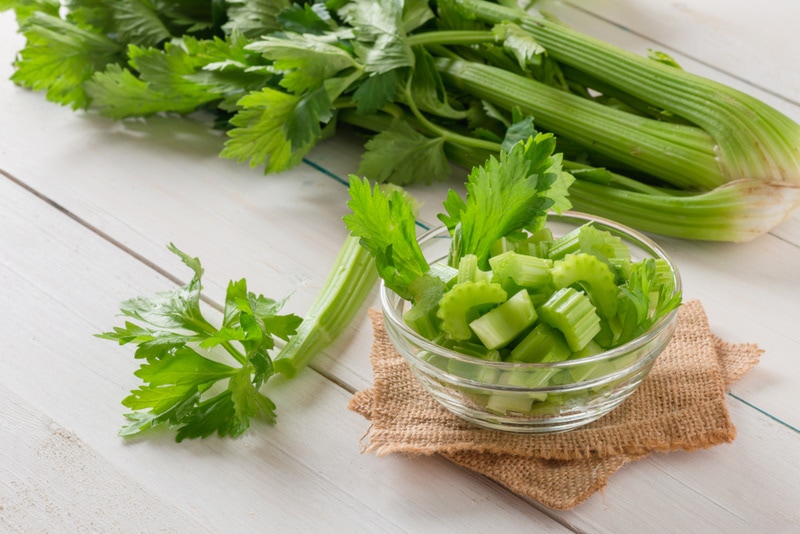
680, 405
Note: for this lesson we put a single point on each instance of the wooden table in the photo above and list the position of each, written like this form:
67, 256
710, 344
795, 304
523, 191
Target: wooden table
88, 207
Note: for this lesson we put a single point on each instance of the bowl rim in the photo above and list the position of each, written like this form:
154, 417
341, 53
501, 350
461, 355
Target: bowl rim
567, 216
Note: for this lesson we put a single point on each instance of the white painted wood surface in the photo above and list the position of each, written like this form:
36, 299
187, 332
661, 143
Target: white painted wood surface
87, 207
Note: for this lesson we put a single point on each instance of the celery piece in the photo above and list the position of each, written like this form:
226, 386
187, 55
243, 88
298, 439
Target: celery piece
499, 326
502, 245
427, 291
542, 344
524, 271
444, 272
537, 244
571, 312
512, 403
476, 350
568, 243
458, 306
591, 370
351, 279
594, 276
475, 370
468, 270
436, 360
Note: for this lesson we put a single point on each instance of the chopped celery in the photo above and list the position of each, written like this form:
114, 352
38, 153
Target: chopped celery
427, 291
542, 344
468, 270
499, 326
589, 370
594, 276
512, 403
571, 312
569, 243
476, 370
524, 271
459, 306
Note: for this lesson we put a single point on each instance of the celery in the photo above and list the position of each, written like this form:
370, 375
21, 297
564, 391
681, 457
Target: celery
427, 290
522, 270
593, 275
459, 306
499, 326
542, 344
571, 312
468, 270
351, 279
455, 80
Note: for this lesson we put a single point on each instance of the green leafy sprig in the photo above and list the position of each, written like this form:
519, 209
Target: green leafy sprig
186, 382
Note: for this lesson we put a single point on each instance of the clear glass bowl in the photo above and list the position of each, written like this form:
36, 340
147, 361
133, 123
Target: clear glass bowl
576, 391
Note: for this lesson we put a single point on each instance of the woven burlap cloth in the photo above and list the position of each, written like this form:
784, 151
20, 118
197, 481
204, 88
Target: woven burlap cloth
680, 405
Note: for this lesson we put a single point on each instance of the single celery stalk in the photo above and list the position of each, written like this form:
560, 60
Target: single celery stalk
351, 279
542, 344
460, 302
524, 270
658, 148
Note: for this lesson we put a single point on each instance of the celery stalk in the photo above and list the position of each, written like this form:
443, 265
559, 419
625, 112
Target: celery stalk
350, 281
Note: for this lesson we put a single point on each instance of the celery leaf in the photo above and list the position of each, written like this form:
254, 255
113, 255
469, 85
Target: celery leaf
506, 195
385, 223
375, 91
378, 26
304, 60
60, 56
402, 156
260, 134
182, 366
254, 18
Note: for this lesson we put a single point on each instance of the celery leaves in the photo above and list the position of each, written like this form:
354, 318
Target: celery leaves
505, 196
305, 60
60, 56
385, 223
402, 155
185, 383
259, 135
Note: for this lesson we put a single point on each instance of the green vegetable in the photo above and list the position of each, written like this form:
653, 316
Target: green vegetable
572, 313
203, 379
350, 281
501, 325
181, 370
648, 143
523, 308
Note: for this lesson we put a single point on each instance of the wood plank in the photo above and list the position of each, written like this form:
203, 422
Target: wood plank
676, 492
61, 283
49, 479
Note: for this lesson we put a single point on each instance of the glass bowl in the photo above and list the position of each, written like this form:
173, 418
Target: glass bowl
501, 395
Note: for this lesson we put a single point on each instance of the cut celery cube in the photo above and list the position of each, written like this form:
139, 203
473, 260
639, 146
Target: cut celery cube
499, 326
542, 344
572, 313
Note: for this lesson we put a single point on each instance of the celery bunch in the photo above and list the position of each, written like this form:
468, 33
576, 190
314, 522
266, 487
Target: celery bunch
649, 144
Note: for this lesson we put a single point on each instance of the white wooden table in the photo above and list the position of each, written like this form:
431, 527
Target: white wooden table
87, 207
